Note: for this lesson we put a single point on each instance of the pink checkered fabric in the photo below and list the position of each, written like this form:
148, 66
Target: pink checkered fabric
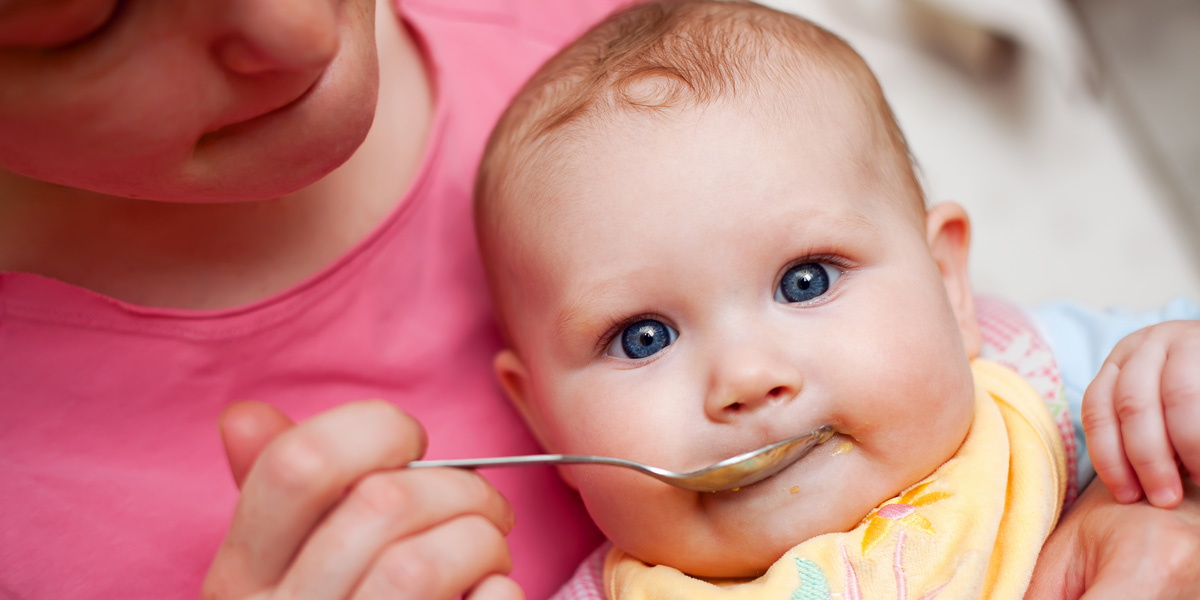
588, 581
1009, 339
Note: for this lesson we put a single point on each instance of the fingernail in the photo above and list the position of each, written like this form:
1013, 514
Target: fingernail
1164, 497
1126, 495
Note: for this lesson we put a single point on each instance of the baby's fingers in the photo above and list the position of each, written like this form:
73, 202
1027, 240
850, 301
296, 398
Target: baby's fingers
1137, 400
1103, 431
1181, 401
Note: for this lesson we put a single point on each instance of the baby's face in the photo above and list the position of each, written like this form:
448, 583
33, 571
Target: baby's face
711, 283
184, 100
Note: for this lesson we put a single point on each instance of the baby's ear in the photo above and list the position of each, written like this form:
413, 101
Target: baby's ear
948, 232
514, 379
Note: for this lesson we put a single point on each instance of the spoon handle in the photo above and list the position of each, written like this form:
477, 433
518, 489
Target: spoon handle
532, 459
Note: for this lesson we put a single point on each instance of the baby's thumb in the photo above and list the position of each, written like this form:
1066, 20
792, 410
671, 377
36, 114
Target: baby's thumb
247, 428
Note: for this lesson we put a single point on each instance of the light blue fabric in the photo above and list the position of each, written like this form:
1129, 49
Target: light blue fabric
1081, 339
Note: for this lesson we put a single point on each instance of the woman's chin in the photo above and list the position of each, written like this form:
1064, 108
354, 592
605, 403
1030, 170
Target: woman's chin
282, 154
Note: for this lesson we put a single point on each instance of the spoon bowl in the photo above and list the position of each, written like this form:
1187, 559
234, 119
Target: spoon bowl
731, 473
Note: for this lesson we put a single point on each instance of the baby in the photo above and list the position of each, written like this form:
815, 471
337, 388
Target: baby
703, 234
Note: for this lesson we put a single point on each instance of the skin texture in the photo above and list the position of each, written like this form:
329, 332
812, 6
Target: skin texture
89, 125
311, 524
253, 124
221, 123
1142, 413
1102, 550
692, 219
208, 108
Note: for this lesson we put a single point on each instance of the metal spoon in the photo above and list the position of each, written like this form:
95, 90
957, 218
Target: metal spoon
738, 471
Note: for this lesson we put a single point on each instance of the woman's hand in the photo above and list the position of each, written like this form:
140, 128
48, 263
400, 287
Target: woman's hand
1103, 550
325, 513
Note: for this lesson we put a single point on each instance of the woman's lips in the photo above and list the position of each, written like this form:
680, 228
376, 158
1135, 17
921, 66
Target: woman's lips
242, 123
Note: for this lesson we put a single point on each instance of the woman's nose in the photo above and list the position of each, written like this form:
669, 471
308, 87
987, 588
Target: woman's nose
266, 36
748, 380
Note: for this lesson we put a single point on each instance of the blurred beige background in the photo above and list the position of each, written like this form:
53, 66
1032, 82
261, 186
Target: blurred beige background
1152, 51
1068, 130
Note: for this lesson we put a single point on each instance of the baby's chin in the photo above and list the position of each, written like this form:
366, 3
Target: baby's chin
741, 533
742, 550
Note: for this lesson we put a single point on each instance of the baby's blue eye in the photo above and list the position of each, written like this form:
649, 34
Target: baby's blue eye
642, 339
805, 281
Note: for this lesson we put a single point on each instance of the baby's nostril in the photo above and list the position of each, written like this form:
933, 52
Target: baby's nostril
776, 392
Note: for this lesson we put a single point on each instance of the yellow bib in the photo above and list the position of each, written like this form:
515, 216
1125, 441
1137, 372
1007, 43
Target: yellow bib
972, 529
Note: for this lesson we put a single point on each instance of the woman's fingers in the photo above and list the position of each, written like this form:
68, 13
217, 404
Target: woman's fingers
1137, 399
1105, 550
386, 508
298, 478
246, 429
496, 587
438, 564
1103, 431
1142, 552
326, 513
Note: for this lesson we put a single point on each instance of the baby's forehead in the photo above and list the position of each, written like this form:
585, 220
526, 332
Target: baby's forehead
656, 58
775, 76
839, 108
780, 106
829, 120
634, 165
548, 187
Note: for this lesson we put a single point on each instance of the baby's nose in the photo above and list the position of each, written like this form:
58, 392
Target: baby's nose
746, 383
265, 36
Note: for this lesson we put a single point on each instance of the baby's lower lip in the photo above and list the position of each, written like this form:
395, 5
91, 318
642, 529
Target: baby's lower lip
838, 444
767, 481
766, 488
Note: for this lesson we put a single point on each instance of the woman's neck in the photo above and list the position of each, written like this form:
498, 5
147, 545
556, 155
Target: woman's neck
212, 256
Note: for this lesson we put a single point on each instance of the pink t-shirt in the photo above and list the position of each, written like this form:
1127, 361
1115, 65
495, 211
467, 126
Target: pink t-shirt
113, 483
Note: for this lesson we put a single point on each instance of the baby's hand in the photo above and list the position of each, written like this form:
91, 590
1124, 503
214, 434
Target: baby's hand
325, 513
1143, 410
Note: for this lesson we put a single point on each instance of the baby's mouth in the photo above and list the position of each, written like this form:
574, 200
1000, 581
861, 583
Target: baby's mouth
758, 465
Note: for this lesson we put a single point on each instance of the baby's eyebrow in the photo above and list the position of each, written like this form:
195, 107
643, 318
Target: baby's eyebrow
585, 317
573, 319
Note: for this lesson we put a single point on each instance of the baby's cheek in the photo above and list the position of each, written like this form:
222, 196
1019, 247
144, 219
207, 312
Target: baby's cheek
862, 426
637, 513
901, 437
